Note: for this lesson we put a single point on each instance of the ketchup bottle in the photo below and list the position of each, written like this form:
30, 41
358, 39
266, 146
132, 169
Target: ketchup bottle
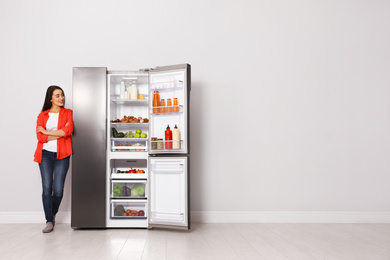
168, 138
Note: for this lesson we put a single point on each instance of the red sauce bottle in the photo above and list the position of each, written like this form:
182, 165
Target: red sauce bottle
168, 138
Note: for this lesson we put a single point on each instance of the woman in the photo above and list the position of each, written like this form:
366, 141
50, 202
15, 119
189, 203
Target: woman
54, 129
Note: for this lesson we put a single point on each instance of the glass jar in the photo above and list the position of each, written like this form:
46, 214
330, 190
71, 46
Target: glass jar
160, 144
154, 143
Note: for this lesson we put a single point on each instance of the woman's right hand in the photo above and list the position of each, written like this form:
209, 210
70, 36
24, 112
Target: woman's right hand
40, 129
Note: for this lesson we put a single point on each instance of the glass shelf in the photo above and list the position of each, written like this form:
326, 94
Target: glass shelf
167, 85
131, 101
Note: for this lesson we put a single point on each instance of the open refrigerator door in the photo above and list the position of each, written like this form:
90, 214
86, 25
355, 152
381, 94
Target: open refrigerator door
169, 109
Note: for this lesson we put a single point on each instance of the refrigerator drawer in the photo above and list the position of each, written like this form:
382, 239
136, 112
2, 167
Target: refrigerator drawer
125, 209
128, 168
129, 145
128, 189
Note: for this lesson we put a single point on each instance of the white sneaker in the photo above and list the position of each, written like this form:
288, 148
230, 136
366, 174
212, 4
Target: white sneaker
49, 227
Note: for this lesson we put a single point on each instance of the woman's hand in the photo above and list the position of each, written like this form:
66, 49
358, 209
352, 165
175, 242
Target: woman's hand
40, 129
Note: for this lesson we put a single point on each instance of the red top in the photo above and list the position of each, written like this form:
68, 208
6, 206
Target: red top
64, 144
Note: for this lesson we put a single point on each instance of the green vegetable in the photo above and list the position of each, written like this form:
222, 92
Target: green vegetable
119, 210
120, 135
117, 190
115, 133
118, 171
137, 190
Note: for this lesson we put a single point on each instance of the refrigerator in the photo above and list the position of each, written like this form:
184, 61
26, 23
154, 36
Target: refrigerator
131, 143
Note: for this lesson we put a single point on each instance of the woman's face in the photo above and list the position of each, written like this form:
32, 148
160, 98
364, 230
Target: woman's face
58, 98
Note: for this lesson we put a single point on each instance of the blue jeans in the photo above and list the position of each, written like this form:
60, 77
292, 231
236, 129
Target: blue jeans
53, 173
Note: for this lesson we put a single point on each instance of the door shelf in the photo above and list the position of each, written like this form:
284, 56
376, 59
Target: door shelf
167, 85
160, 145
156, 111
137, 209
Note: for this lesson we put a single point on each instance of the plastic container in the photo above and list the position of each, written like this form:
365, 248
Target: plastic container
176, 138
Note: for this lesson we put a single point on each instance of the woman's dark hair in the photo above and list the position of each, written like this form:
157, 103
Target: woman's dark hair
49, 94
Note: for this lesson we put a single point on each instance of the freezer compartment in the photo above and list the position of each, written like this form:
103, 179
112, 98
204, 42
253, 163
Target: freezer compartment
128, 168
128, 189
125, 209
129, 145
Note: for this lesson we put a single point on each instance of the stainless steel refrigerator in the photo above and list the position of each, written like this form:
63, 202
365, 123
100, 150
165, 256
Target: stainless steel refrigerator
130, 166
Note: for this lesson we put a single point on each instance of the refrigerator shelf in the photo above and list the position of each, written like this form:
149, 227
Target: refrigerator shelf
131, 101
128, 176
167, 85
130, 124
129, 139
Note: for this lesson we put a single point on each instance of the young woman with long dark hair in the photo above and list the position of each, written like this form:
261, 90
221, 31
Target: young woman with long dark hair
54, 130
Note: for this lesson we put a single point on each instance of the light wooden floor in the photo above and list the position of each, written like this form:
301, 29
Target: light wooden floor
204, 241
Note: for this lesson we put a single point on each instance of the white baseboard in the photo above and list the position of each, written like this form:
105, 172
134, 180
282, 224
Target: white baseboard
232, 217
288, 217
31, 217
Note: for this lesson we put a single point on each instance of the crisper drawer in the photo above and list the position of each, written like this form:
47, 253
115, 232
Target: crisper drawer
129, 145
125, 209
128, 189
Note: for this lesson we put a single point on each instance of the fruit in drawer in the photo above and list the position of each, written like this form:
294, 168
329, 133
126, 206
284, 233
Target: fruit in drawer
138, 131
141, 213
132, 171
141, 96
143, 135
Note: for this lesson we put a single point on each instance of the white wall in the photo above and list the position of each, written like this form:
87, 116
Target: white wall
289, 100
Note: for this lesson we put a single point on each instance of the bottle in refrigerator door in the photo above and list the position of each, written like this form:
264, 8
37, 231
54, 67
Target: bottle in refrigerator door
176, 138
163, 108
175, 105
168, 138
169, 105
156, 102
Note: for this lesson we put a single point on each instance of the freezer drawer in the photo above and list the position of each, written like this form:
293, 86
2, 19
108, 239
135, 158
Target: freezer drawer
125, 209
128, 189
168, 199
